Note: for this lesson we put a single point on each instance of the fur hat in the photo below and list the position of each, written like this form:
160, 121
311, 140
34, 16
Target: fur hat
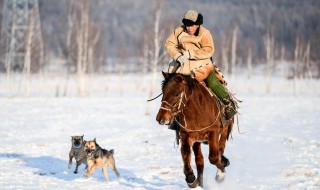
192, 17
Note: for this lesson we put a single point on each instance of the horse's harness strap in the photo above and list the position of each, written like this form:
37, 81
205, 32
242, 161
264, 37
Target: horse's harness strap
179, 103
188, 130
180, 110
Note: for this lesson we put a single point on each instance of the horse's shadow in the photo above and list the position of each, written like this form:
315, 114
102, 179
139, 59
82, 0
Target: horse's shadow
58, 168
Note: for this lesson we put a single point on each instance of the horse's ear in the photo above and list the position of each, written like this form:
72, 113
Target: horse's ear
165, 75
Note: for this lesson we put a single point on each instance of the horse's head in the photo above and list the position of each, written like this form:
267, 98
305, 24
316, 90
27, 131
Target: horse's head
175, 89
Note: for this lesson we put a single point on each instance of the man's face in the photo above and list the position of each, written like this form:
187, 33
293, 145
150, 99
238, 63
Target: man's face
192, 29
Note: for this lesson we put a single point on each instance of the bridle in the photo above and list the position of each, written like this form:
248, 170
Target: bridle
177, 107
180, 104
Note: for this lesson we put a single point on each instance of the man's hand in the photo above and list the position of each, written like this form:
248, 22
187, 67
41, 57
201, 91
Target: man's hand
184, 58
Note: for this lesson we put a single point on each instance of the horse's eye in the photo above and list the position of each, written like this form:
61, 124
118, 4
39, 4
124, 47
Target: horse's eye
176, 94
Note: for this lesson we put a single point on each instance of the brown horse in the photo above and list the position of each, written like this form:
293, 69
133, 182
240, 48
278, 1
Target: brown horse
189, 104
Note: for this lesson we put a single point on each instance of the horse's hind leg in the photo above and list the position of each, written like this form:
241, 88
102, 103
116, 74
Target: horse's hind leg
199, 162
186, 157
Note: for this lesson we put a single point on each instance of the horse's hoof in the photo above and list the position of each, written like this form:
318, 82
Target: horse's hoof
220, 176
200, 180
193, 184
191, 180
225, 161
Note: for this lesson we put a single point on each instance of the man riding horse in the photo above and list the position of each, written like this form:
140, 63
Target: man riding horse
191, 46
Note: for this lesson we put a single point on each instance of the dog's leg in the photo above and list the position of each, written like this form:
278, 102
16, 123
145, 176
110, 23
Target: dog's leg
78, 164
112, 165
70, 161
105, 173
95, 166
90, 165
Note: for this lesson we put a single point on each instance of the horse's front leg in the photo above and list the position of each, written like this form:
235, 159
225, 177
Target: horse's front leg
214, 155
222, 144
199, 162
186, 157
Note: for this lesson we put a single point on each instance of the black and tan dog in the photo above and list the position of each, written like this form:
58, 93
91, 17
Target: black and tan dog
99, 157
77, 151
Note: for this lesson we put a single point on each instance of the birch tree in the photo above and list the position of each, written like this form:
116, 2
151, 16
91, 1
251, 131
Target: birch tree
296, 64
27, 58
69, 48
269, 47
156, 53
224, 52
82, 42
234, 52
249, 65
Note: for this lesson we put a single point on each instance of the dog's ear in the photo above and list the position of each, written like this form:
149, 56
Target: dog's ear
82, 137
94, 140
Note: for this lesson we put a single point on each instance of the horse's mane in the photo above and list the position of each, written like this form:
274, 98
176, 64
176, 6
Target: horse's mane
191, 82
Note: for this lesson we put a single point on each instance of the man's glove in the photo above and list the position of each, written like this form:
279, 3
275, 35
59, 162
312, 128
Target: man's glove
184, 58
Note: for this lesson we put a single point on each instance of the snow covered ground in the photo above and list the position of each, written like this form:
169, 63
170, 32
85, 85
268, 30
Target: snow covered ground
278, 147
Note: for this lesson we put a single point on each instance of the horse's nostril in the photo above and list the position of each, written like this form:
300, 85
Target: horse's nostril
162, 121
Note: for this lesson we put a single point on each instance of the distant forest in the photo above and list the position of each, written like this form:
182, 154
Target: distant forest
125, 26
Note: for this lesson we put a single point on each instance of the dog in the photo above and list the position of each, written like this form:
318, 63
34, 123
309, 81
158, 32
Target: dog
77, 151
99, 157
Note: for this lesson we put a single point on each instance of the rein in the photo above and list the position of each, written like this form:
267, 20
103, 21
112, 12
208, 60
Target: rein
154, 98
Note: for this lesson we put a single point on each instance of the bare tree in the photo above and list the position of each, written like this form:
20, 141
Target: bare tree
145, 60
82, 42
27, 58
282, 58
69, 48
156, 52
233, 52
297, 58
306, 57
269, 46
224, 52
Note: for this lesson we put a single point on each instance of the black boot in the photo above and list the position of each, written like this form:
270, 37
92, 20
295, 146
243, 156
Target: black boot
174, 126
229, 108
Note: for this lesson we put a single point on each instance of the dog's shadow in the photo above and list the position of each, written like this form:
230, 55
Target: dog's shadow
58, 168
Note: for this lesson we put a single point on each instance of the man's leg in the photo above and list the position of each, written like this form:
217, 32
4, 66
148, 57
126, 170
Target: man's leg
221, 92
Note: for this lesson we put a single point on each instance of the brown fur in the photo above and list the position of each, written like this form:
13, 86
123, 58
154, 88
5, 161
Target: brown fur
197, 113
99, 157
77, 152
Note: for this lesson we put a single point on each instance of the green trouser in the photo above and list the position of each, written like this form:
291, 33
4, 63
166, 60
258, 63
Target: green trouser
216, 86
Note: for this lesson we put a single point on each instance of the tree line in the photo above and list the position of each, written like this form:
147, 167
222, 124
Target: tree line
119, 36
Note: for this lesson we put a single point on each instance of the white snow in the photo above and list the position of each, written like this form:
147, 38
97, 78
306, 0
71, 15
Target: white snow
278, 147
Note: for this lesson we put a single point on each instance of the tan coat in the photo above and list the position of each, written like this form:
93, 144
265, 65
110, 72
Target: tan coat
200, 47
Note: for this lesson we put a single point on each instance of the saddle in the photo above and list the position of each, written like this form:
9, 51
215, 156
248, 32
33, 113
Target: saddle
220, 104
